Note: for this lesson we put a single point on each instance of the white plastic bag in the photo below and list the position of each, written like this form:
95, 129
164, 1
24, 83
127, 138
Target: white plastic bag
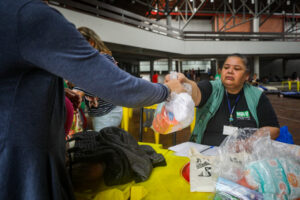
175, 114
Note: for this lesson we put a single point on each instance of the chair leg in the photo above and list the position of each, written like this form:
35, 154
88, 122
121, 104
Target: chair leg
130, 111
125, 123
141, 125
174, 138
156, 137
122, 123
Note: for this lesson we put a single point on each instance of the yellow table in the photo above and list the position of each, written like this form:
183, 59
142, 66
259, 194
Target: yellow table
165, 183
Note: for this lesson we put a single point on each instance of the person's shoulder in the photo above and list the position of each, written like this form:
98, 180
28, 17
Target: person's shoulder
36, 10
263, 98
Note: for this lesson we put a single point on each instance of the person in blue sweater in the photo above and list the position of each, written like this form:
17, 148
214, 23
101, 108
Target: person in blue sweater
39, 48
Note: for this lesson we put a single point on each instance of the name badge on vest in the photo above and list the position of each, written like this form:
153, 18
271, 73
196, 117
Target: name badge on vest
230, 130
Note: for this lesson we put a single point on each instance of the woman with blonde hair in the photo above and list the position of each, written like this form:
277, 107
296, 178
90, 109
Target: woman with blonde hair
94, 40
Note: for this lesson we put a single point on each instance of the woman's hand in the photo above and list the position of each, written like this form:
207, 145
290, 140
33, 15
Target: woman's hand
180, 77
73, 97
175, 86
196, 93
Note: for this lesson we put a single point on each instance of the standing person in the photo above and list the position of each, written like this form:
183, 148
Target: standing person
155, 77
103, 114
39, 47
230, 102
218, 75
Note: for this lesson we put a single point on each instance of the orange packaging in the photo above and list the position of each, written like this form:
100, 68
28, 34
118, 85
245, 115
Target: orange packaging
164, 121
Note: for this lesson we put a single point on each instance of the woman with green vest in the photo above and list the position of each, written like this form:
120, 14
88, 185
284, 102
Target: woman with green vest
230, 103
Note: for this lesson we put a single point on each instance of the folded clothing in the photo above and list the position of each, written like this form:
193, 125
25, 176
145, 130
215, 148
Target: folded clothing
125, 160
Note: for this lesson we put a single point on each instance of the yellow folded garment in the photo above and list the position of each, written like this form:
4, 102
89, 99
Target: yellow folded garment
138, 193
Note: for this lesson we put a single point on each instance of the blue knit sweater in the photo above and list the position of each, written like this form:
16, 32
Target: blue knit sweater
39, 47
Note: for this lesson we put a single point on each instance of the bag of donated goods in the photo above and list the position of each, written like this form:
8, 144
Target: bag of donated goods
176, 113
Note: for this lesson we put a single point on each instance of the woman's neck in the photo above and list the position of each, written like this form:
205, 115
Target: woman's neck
233, 90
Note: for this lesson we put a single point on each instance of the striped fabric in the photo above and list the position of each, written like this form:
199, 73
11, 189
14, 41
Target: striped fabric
98, 108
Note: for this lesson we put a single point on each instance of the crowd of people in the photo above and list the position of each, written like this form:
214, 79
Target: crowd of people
41, 49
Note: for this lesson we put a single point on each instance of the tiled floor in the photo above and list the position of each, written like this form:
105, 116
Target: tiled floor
287, 110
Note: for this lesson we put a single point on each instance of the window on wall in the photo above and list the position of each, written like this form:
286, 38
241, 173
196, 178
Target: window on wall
159, 65
162, 65
202, 65
144, 66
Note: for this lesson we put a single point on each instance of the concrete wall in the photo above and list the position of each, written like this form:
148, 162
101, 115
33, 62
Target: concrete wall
274, 67
293, 66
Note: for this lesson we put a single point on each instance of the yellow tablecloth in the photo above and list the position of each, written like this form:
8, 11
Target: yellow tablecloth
165, 183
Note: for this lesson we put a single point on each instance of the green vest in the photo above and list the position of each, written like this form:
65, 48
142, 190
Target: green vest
209, 109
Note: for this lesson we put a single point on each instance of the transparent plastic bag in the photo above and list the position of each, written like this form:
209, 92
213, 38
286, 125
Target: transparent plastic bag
176, 113
247, 145
252, 159
284, 149
276, 178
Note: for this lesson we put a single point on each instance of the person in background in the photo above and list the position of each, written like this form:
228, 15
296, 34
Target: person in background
155, 77
103, 114
218, 75
254, 80
40, 48
230, 103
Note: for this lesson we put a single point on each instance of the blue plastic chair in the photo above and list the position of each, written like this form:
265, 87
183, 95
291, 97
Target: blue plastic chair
285, 136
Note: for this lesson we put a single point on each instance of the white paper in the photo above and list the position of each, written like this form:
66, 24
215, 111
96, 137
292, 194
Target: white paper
230, 130
183, 148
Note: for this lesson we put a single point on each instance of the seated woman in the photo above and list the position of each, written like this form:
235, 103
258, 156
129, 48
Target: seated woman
230, 103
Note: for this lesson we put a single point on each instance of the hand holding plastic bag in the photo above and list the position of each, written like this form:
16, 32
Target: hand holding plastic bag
176, 113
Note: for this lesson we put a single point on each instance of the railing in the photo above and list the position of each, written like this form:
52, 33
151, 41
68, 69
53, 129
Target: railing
100, 9
201, 35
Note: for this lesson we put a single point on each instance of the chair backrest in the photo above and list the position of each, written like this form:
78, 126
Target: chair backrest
149, 113
127, 115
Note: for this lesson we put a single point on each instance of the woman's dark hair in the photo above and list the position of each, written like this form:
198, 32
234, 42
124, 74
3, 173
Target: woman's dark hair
243, 58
